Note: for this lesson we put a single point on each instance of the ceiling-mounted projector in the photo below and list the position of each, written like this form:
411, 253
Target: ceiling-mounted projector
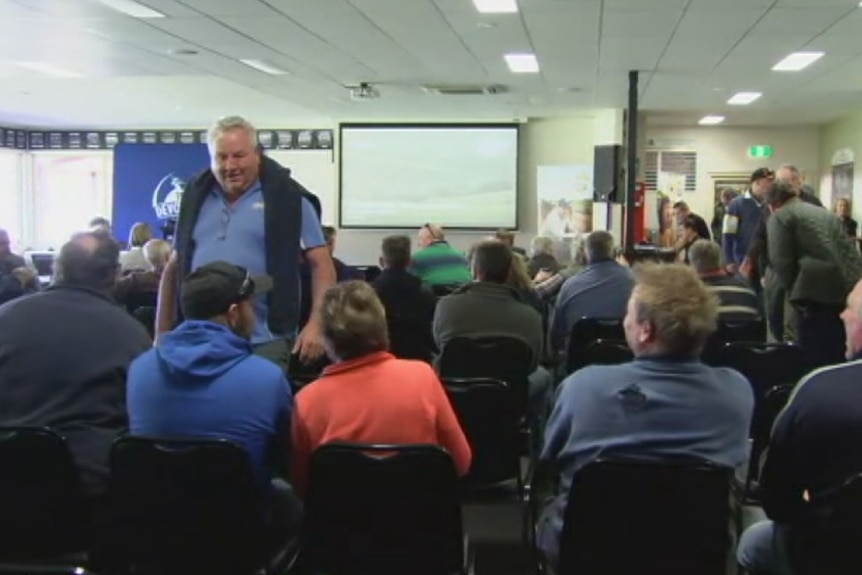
363, 91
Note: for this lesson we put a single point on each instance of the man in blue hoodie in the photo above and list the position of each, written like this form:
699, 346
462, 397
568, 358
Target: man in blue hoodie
204, 381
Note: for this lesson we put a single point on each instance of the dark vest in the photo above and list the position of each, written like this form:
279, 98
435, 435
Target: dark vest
282, 199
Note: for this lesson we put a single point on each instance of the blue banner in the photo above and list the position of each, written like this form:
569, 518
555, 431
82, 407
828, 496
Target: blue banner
149, 180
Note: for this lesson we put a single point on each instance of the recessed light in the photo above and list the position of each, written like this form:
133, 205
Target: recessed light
797, 61
711, 120
131, 8
744, 98
47, 69
522, 63
496, 6
263, 66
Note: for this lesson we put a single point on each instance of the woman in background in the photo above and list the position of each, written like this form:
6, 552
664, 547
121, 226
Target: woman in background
134, 259
542, 256
842, 210
523, 284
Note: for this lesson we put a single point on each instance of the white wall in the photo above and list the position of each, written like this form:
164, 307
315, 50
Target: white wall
726, 150
542, 142
843, 133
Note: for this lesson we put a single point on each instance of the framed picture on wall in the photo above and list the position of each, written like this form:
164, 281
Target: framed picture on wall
738, 182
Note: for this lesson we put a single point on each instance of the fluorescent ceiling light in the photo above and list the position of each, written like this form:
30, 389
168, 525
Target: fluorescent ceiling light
711, 120
496, 6
522, 63
797, 61
744, 98
47, 69
263, 66
131, 8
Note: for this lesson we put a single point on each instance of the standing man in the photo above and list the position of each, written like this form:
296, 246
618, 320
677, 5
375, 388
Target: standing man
742, 220
815, 265
248, 210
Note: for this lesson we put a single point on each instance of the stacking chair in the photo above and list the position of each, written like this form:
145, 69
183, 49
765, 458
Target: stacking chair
411, 338
45, 525
382, 510
586, 331
441, 290
609, 352
190, 506
773, 370
301, 374
624, 517
752, 331
827, 541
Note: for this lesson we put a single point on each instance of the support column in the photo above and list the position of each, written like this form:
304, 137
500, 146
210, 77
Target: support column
631, 158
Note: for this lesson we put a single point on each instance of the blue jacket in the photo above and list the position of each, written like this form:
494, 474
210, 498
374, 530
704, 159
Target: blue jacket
203, 381
650, 408
739, 227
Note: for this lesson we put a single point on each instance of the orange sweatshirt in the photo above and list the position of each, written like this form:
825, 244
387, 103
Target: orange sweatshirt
374, 399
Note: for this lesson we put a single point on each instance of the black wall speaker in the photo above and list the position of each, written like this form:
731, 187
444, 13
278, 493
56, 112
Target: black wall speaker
608, 174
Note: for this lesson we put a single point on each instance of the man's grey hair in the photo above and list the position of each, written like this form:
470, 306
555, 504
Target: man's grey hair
790, 168
599, 246
228, 123
542, 245
704, 256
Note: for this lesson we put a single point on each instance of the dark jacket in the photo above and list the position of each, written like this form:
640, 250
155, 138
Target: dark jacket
64, 355
282, 197
758, 251
813, 260
409, 312
481, 309
700, 226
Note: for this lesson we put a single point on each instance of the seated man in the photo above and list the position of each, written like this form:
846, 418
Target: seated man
8, 260
409, 303
664, 404
368, 396
436, 262
814, 447
490, 307
343, 272
600, 290
736, 301
681, 212
203, 380
64, 354
139, 286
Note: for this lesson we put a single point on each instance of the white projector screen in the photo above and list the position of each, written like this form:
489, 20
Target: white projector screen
403, 176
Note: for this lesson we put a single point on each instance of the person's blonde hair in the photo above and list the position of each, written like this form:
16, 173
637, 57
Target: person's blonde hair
682, 310
354, 320
519, 278
27, 277
157, 253
139, 234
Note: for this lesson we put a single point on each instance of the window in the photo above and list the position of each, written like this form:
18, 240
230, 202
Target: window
11, 196
69, 189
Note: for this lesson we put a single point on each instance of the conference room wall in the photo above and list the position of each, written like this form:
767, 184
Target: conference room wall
725, 150
842, 134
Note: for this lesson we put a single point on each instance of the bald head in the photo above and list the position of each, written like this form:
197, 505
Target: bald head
428, 234
90, 260
790, 174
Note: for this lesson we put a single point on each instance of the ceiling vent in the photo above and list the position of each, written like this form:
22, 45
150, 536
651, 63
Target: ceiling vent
464, 90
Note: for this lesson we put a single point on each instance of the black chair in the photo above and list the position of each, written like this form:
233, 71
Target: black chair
623, 517
190, 506
301, 374
609, 352
752, 331
442, 290
507, 359
826, 541
382, 509
773, 370
411, 338
45, 524
370, 272
586, 331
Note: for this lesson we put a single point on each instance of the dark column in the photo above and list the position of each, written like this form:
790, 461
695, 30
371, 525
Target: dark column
631, 144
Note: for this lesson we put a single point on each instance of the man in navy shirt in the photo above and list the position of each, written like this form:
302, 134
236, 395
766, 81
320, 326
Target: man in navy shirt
814, 447
249, 211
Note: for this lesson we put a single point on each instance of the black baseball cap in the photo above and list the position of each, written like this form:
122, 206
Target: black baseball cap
210, 290
761, 173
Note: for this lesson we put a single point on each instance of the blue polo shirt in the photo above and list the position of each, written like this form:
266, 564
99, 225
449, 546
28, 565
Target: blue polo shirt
235, 233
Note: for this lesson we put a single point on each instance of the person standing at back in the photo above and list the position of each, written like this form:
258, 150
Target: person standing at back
742, 221
8, 260
436, 262
248, 210
65, 352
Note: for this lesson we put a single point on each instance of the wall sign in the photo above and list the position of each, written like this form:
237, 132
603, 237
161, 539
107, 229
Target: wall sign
269, 138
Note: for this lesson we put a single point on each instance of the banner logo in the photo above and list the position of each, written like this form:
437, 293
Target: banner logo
167, 196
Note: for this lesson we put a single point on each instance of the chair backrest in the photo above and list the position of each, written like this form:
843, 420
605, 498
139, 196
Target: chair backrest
586, 331
508, 359
411, 338
301, 374
827, 541
42, 508
442, 290
182, 504
609, 352
750, 331
490, 421
383, 509
672, 518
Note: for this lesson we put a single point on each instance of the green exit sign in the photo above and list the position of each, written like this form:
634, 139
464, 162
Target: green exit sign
760, 152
